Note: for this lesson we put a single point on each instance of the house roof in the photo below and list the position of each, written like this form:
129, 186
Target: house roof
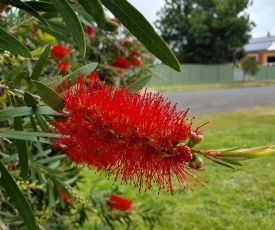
260, 44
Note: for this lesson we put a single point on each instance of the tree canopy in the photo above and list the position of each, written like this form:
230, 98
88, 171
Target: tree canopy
205, 32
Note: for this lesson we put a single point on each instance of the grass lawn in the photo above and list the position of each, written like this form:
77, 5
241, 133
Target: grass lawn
242, 199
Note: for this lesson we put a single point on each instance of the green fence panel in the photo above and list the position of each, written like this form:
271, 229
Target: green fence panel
270, 73
261, 74
193, 73
224, 73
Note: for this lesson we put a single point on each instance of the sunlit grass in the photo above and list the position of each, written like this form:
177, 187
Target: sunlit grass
232, 199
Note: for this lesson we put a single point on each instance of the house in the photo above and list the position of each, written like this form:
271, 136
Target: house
262, 49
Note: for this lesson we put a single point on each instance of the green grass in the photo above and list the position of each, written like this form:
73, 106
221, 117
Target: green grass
232, 199
165, 88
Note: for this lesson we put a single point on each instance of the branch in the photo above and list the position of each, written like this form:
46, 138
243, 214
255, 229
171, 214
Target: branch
21, 92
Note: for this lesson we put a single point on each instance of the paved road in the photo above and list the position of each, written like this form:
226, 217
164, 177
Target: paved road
222, 100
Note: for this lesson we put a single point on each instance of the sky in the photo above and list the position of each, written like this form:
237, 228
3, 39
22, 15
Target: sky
262, 13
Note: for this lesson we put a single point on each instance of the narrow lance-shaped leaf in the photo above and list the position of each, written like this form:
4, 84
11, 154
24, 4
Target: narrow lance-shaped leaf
25, 111
136, 86
10, 43
30, 136
85, 70
22, 150
95, 9
18, 198
13, 74
73, 23
49, 96
40, 64
137, 24
223, 164
41, 6
30, 100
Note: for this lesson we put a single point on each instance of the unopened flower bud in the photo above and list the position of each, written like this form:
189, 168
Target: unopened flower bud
195, 138
196, 162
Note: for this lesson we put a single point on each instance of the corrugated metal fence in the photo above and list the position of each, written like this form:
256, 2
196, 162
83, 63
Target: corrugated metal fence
192, 74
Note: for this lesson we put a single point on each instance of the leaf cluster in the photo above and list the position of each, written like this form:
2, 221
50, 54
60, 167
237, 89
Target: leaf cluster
205, 32
34, 175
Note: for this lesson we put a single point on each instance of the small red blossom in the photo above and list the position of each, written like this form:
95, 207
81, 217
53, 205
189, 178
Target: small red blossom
121, 63
119, 203
125, 42
89, 31
63, 67
66, 198
138, 138
136, 53
59, 52
137, 61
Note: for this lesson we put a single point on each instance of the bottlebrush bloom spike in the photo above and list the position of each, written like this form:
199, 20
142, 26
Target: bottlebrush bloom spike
59, 52
119, 203
138, 138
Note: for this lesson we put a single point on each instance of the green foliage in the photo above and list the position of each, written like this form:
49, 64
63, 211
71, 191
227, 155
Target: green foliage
39, 185
18, 198
250, 66
139, 84
10, 43
206, 32
139, 26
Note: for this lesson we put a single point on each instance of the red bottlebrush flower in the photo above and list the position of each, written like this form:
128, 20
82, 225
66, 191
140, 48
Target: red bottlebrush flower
119, 203
59, 52
136, 53
137, 61
125, 42
66, 198
63, 67
89, 31
138, 138
121, 63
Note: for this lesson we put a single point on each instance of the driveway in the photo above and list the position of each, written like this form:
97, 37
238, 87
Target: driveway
222, 100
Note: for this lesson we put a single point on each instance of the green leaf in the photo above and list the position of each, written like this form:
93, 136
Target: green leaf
22, 149
29, 136
232, 162
136, 86
11, 85
73, 23
10, 43
22, 5
40, 64
51, 159
85, 70
223, 164
25, 111
137, 24
19, 77
41, 6
49, 96
30, 100
95, 9
18, 198
11, 76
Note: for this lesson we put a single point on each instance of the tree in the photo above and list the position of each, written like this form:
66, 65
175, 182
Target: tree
205, 32
249, 67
